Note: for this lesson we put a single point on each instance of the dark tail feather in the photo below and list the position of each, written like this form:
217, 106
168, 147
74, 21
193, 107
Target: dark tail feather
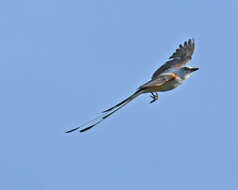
71, 130
91, 126
87, 123
101, 118
138, 92
120, 105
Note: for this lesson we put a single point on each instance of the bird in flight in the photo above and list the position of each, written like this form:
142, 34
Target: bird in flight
167, 77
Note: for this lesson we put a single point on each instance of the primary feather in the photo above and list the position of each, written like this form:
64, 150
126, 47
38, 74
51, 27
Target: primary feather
179, 58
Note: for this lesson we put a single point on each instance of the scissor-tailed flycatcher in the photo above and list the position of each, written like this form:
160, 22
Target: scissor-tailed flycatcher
167, 77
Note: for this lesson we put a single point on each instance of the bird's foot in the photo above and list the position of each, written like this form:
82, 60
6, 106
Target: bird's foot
154, 97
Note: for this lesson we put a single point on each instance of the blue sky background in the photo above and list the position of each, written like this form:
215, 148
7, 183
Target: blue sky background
62, 62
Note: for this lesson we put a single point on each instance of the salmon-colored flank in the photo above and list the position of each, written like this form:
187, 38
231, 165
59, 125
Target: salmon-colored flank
174, 75
176, 66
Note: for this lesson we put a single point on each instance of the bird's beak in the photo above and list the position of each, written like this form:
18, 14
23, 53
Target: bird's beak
194, 69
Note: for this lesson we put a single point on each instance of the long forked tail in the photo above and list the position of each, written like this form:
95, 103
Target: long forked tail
126, 101
107, 113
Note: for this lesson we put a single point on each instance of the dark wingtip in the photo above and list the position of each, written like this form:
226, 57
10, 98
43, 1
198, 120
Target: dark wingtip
72, 130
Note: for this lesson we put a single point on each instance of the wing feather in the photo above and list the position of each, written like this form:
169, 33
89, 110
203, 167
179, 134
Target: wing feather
180, 57
161, 80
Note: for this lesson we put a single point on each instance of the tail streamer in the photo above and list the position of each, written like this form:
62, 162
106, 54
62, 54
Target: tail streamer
105, 114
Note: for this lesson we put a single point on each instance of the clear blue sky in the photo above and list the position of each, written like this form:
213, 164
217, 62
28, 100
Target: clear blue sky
62, 62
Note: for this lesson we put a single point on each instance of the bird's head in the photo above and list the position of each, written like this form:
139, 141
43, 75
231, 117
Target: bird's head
185, 72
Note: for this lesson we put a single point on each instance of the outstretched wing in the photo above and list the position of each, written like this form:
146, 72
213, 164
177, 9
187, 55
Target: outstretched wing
179, 58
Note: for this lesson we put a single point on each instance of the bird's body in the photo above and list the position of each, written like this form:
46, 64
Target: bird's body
171, 84
175, 78
167, 77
